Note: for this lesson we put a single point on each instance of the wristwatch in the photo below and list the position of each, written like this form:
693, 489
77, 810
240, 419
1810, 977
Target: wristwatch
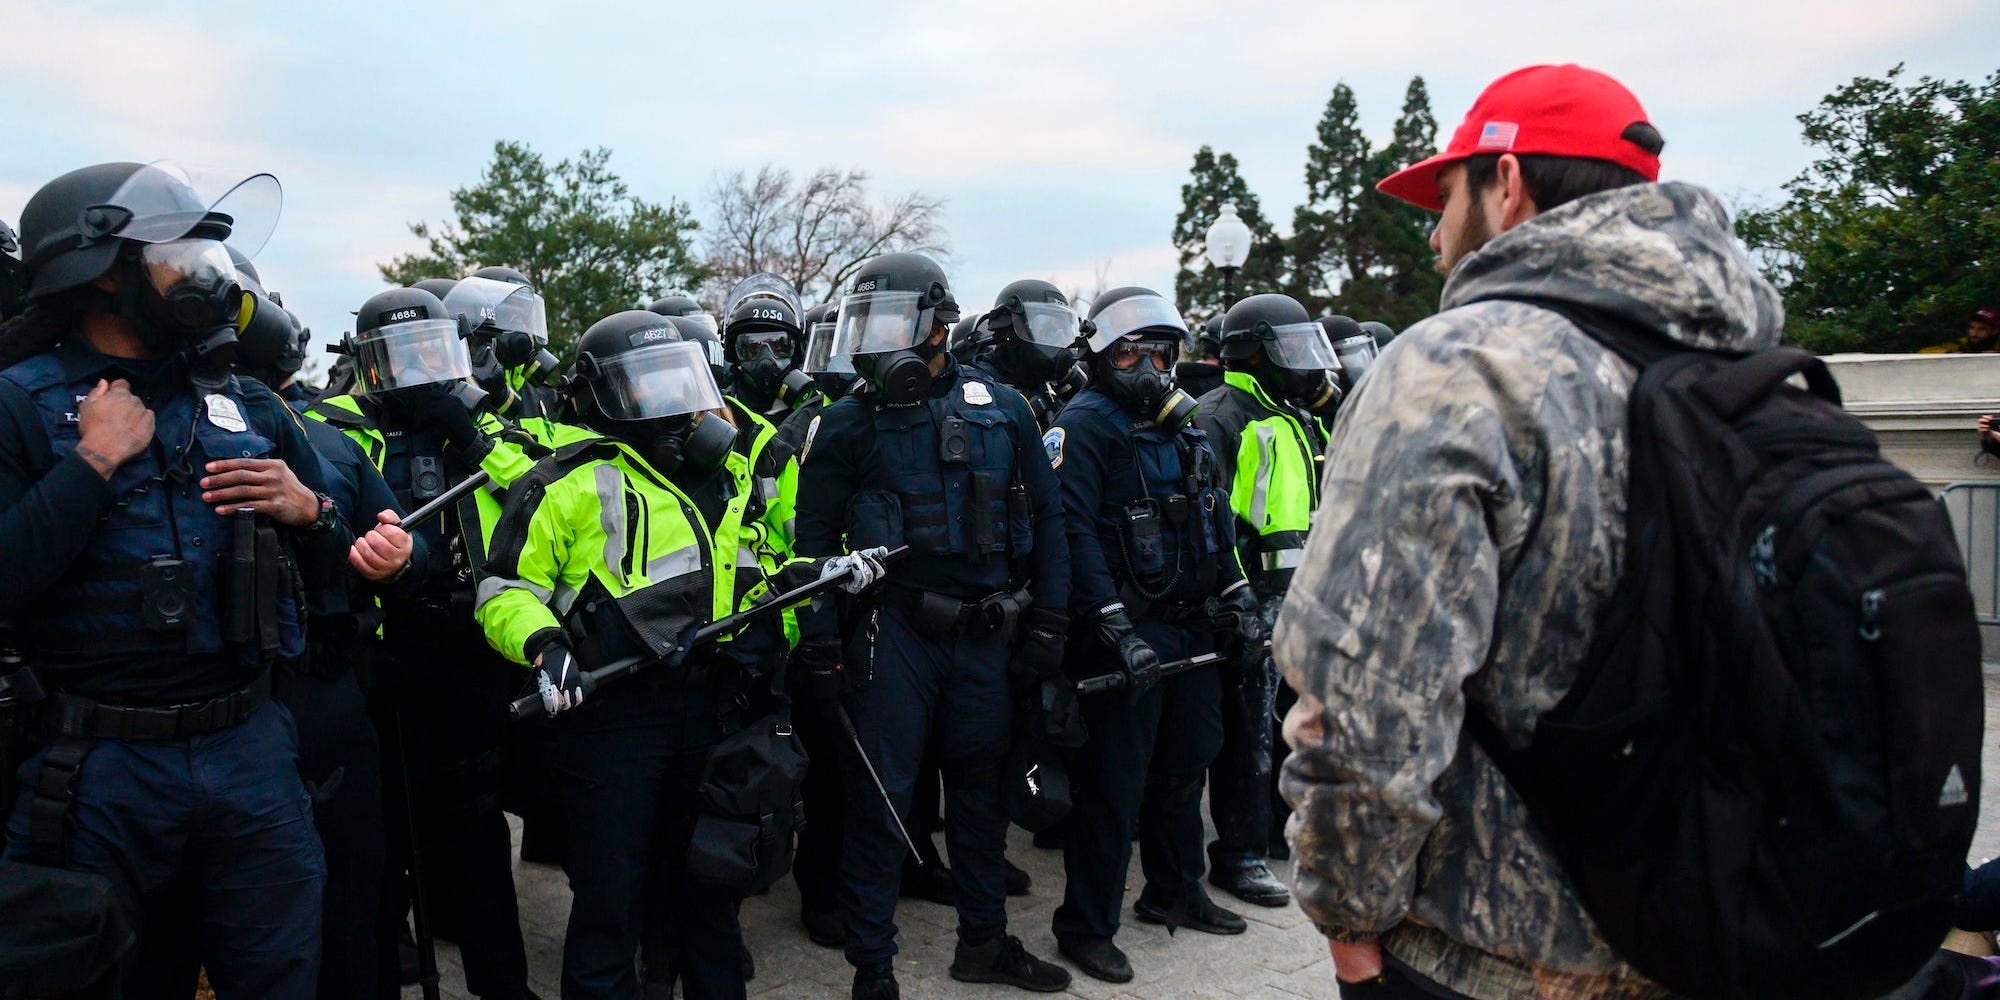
328, 511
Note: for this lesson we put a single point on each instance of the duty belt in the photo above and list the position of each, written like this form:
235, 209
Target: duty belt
1188, 614
76, 716
993, 614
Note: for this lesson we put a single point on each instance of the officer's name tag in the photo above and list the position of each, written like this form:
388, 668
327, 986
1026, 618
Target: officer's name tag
977, 393
222, 412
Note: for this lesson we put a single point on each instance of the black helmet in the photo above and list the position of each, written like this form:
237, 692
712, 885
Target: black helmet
439, 287
674, 305
1380, 331
1273, 337
1210, 339
11, 290
968, 335
1136, 335
763, 337
893, 306
506, 274
1033, 331
270, 340
405, 339
637, 377
74, 227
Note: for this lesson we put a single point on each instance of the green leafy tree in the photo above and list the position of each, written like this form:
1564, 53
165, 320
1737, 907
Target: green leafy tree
1323, 249
590, 246
1394, 281
1890, 238
1197, 285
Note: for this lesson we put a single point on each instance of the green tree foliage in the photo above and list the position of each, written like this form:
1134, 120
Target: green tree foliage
1354, 250
1892, 237
1197, 285
1398, 284
590, 246
1323, 249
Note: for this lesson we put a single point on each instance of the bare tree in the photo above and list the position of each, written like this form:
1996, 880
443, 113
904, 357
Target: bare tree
813, 230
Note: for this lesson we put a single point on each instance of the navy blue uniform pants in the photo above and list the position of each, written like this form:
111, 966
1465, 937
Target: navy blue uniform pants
947, 690
627, 765
1144, 765
341, 763
213, 832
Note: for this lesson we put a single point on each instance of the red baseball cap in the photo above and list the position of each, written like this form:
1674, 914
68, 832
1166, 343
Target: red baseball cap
1556, 110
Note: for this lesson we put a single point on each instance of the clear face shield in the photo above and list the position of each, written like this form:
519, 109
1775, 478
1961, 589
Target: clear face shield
165, 200
501, 305
763, 285
820, 358
1047, 324
1357, 355
1130, 315
406, 355
660, 380
880, 322
1301, 347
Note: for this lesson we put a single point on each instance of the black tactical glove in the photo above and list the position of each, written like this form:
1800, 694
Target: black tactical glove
821, 681
1244, 624
1136, 659
1061, 712
1040, 653
560, 678
440, 411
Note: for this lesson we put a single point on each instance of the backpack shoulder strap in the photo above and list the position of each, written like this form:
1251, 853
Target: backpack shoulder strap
1639, 344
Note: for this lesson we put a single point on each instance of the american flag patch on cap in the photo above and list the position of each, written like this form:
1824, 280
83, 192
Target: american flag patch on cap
1498, 135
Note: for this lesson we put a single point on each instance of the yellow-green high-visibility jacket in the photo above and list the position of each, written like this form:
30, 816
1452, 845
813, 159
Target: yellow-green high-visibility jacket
595, 532
1270, 455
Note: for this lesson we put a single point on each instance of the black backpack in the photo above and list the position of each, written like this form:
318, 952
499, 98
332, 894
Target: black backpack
1765, 778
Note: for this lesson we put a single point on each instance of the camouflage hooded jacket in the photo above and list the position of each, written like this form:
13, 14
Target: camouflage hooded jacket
1472, 525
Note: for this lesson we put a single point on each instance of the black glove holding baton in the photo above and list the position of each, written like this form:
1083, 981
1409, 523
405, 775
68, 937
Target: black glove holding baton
1135, 658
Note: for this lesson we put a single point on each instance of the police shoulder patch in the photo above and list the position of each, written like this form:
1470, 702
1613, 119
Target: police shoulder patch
1052, 442
812, 431
977, 393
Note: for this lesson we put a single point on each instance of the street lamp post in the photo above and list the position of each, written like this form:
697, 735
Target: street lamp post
1228, 243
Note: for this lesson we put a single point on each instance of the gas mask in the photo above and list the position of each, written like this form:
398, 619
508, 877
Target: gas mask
1315, 391
491, 374
901, 377
270, 343
763, 360
184, 294
1142, 387
517, 350
1029, 364
684, 443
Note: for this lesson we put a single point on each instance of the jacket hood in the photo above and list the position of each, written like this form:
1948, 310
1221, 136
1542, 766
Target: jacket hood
1660, 255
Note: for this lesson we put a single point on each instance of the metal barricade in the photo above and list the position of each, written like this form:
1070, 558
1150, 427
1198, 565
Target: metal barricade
1974, 509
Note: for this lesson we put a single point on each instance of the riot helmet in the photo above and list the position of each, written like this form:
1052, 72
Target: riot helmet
638, 378
1033, 331
439, 287
161, 226
1381, 332
967, 336
893, 321
406, 342
683, 304
270, 340
1136, 335
763, 335
1272, 337
509, 315
1353, 345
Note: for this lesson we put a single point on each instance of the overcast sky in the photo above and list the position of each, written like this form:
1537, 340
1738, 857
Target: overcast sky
1058, 133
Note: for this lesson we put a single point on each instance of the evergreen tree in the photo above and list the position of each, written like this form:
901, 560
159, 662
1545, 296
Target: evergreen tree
1324, 254
1197, 286
1393, 279
590, 246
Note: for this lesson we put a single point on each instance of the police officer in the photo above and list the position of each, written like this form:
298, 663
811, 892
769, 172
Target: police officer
1027, 341
339, 755
1202, 374
645, 528
422, 424
153, 508
1382, 333
1269, 444
510, 339
1155, 579
764, 337
936, 457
